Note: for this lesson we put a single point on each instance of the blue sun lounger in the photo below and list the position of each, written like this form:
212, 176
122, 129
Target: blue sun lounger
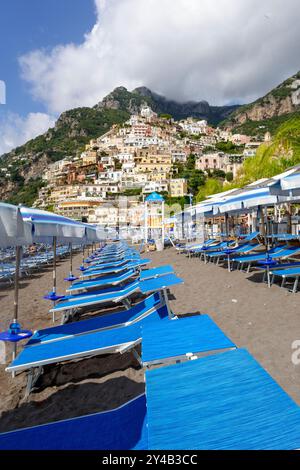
203, 337
103, 322
118, 279
99, 272
241, 249
249, 259
286, 273
104, 263
221, 402
71, 304
110, 280
156, 272
177, 340
124, 428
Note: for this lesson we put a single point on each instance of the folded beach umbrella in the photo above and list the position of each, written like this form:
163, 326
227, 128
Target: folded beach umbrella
14, 232
52, 228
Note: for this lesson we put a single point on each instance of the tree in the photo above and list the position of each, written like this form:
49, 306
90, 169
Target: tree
195, 180
216, 173
211, 186
229, 176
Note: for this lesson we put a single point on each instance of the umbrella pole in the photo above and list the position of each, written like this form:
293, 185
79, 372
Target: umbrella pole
54, 264
16, 298
54, 273
71, 259
17, 276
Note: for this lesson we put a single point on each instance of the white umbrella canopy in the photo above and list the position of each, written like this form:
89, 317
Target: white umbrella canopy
13, 230
287, 185
47, 225
246, 199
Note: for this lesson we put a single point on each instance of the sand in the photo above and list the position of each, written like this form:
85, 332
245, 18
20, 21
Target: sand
265, 321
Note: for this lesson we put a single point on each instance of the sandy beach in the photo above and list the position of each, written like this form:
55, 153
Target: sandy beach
265, 321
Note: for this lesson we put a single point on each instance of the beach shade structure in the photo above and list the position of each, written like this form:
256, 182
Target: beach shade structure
222, 402
14, 233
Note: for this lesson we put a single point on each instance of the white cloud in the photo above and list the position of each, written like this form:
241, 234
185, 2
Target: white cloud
223, 51
15, 130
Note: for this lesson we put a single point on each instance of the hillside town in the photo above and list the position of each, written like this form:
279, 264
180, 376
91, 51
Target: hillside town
149, 153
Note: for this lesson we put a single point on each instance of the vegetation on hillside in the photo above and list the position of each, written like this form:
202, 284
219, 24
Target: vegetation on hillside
273, 158
73, 130
26, 194
259, 128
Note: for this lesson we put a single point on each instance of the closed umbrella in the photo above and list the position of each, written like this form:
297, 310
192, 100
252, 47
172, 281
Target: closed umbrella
14, 232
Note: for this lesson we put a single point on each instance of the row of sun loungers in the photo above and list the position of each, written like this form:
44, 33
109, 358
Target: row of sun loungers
278, 262
203, 392
29, 263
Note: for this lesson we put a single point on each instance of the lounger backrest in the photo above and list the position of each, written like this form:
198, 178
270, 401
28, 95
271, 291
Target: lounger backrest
120, 429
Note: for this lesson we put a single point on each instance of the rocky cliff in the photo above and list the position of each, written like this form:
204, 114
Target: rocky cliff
280, 103
131, 102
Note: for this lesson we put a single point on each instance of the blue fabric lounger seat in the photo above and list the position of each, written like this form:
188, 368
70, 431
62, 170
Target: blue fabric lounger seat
115, 294
111, 280
107, 321
110, 263
291, 272
202, 335
156, 272
117, 279
259, 256
221, 402
246, 248
98, 272
117, 340
174, 339
124, 428
88, 299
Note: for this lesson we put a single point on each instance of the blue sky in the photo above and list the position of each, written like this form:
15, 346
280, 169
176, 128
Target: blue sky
32, 24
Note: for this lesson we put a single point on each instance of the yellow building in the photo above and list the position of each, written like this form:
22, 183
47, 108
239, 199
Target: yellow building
61, 193
178, 187
157, 166
78, 209
89, 157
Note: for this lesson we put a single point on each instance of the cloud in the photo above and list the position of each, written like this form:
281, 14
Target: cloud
15, 130
224, 51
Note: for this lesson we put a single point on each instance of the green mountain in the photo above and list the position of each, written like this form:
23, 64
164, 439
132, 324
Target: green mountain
269, 112
72, 131
77, 127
